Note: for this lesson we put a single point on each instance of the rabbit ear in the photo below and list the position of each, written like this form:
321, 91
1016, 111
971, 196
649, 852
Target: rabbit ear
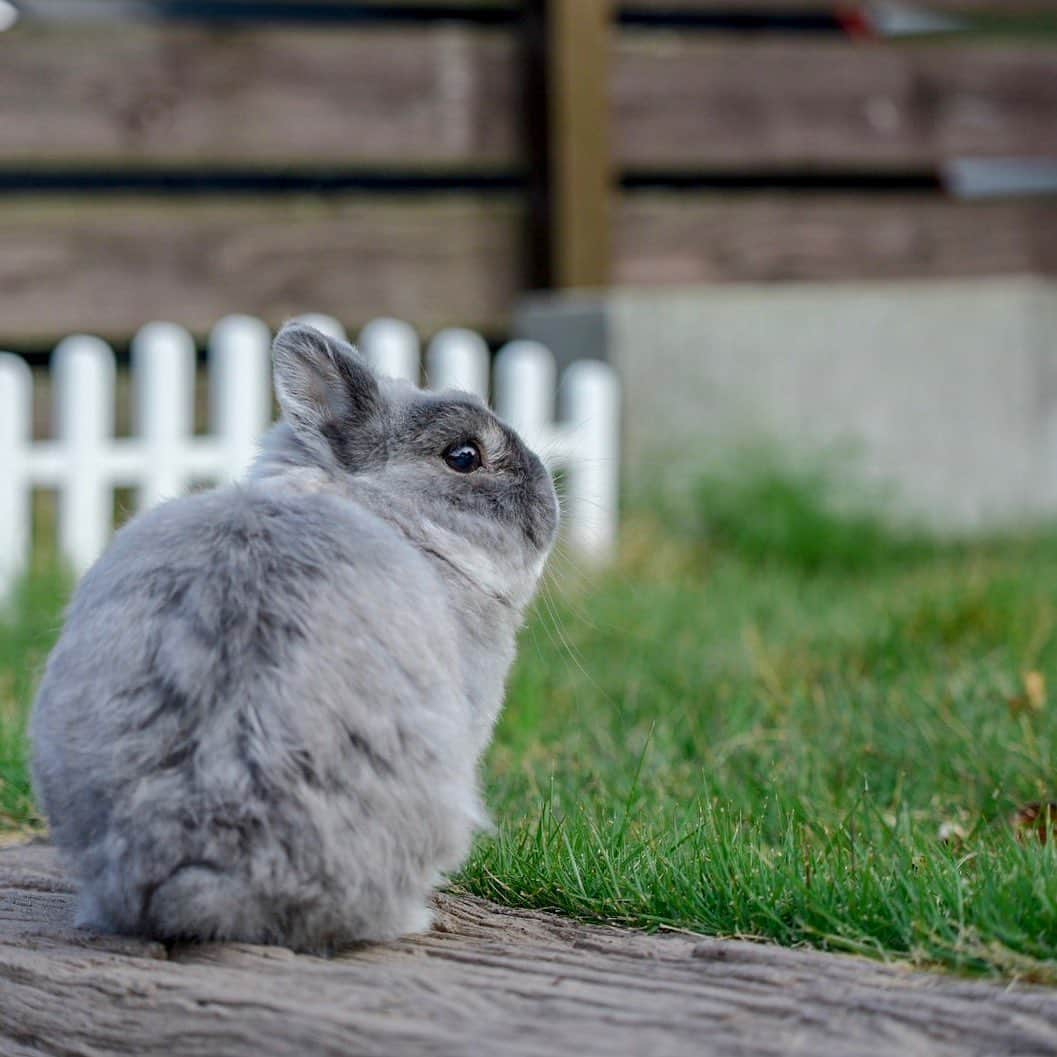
320, 380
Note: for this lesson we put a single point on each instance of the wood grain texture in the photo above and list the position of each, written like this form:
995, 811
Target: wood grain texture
577, 55
45, 7
180, 95
712, 238
108, 265
974, 6
689, 101
72, 10
485, 981
448, 95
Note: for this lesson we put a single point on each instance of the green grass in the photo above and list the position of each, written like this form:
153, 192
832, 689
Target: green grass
742, 732
739, 732
27, 631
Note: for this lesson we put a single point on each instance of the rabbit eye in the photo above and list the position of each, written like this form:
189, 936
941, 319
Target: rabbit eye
464, 457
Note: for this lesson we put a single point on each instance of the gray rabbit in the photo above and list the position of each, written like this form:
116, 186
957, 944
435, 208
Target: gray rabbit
263, 719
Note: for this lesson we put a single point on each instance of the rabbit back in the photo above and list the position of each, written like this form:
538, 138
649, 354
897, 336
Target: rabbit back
253, 726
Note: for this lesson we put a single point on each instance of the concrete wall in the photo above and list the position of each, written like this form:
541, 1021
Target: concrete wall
948, 390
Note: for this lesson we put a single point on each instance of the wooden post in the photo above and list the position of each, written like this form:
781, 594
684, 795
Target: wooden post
567, 89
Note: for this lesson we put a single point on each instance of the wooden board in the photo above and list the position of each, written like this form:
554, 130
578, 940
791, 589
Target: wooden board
45, 7
684, 101
179, 95
976, 6
711, 238
448, 96
122, 10
485, 980
109, 265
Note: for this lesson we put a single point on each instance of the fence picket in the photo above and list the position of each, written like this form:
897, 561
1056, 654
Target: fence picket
524, 393
458, 359
16, 403
240, 394
325, 324
589, 399
163, 366
391, 348
83, 368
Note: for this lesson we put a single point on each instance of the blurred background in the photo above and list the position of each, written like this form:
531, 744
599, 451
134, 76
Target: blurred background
817, 221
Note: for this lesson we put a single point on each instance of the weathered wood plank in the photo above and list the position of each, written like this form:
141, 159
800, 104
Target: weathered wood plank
694, 101
976, 6
66, 7
714, 238
122, 10
181, 95
445, 95
109, 265
485, 980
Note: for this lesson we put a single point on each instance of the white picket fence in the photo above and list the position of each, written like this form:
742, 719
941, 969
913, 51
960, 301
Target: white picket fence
85, 462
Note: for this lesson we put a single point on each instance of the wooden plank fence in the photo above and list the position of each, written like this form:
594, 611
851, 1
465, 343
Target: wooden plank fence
368, 165
433, 97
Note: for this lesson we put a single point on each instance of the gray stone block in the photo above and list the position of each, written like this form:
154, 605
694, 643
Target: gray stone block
947, 390
572, 328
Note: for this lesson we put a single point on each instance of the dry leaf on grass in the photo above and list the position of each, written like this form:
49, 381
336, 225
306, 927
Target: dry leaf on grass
1038, 818
1033, 699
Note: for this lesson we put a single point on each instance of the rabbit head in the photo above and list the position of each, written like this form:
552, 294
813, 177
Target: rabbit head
459, 483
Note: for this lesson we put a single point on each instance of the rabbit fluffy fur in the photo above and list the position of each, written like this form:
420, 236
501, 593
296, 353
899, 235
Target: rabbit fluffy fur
263, 718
